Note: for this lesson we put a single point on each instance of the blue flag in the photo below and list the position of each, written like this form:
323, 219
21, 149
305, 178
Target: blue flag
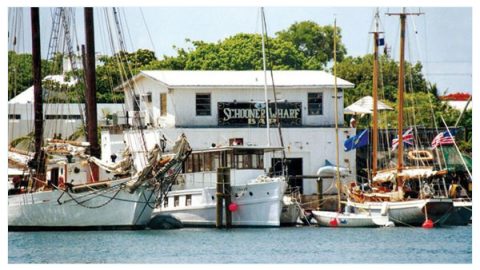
380, 42
356, 141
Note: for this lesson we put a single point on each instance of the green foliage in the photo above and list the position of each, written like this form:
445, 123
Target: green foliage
315, 42
20, 75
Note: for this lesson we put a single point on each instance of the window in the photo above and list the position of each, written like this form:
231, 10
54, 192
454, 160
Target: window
63, 116
148, 97
315, 103
136, 103
202, 104
176, 201
14, 116
188, 200
163, 104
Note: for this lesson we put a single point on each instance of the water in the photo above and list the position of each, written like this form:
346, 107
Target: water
277, 245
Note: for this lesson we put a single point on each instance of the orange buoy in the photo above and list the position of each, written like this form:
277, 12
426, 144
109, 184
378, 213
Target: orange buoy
428, 224
233, 207
333, 222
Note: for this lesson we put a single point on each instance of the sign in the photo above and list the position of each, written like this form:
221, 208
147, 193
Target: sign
253, 114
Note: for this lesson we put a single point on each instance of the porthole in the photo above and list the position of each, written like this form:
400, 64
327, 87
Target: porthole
213, 198
268, 193
236, 195
251, 194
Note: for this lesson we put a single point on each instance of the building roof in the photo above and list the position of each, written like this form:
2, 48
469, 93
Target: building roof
27, 95
456, 97
284, 78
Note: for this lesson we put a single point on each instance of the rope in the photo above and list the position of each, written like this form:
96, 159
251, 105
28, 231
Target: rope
92, 207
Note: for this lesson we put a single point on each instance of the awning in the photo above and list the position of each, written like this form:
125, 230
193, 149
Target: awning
365, 106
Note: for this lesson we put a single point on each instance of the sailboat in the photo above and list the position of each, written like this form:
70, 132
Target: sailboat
346, 218
68, 187
389, 193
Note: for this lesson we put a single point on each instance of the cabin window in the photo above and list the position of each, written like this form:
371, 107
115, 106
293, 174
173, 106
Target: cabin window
208, 161
239, 161
189, 164
203, 104
195, 162
163, 104
165, 203
14, 116
216, 161
200, 162
315, 103
188, 200
176, 201
136, 103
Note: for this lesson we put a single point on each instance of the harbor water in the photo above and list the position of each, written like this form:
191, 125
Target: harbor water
311, 245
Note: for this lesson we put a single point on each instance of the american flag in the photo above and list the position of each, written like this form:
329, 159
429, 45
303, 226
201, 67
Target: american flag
444, 138
407, 139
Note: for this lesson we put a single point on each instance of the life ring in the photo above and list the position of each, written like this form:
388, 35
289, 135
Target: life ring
420, 155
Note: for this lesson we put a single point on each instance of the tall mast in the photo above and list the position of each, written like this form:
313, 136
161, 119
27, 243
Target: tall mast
375, 97
265, 77
337, 158
37, 90
90, 90
401, 85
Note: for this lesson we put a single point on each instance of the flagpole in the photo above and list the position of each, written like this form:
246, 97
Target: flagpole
454, 143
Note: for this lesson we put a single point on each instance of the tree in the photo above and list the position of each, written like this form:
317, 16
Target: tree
359, 71
315, 42
238, 52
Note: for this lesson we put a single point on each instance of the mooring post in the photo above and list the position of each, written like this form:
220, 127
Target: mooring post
319, 191
220, 180
228, 197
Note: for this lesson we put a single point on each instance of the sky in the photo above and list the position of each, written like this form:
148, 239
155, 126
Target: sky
441, 38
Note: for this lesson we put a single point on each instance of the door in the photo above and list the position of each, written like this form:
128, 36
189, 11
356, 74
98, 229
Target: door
294, 166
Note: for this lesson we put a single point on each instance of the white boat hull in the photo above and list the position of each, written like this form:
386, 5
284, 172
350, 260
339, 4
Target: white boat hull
259, 204
410, 212
324, 218
104, 208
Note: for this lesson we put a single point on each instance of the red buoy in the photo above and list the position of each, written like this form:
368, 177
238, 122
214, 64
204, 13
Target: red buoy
333, 222
233, 207
428, 224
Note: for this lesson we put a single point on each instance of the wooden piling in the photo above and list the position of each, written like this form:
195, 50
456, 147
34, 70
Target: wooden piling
227, 189
219, 198
320, 191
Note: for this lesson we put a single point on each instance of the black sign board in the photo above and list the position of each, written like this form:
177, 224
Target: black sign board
253, 114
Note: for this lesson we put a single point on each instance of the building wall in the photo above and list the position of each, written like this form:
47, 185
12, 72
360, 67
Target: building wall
181, 103
21, 127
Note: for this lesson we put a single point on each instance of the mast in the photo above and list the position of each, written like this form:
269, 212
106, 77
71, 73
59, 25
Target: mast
265, 77
38, 159
337, 158
375, 97
401, 88
90, 90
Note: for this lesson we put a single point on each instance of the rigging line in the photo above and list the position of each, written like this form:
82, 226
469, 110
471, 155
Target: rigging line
284, 167
409, 87
148, 30
130, 69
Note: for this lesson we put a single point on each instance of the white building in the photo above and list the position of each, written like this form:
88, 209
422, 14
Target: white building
213, 107
60, 118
